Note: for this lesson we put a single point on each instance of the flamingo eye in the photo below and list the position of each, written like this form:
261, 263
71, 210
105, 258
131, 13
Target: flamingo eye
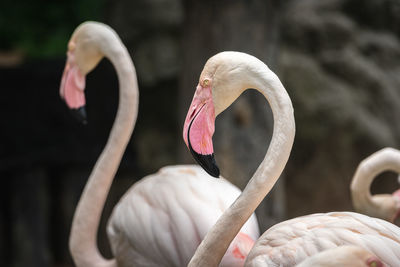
374, 262
71, 45
206, 82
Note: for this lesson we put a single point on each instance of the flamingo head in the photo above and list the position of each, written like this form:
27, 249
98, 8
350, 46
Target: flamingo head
83, 55
222, 80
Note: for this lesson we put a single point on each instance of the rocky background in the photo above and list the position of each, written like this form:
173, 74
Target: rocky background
338, 59
340, 63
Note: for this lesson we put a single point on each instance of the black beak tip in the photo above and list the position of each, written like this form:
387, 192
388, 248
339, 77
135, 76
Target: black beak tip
207, 162
80, 114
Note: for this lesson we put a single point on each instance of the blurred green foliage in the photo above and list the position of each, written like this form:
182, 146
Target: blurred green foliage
40, 28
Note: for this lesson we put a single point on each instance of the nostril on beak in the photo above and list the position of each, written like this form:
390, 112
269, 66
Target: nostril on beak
193, 113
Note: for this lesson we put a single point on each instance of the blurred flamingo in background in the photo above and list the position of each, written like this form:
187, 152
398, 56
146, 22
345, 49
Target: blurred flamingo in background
384, 206
224, 77
162, 219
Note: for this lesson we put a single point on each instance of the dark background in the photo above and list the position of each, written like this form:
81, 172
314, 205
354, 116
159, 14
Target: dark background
338, 59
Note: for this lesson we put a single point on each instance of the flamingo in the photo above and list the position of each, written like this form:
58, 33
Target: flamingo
160, 220
224, 77
344, 256
384, 206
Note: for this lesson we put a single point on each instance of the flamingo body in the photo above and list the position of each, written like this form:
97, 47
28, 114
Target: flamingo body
163, 218
290, 242
227, 75
344, 256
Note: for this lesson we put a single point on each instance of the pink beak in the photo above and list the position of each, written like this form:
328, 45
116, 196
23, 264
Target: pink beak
72, 88
199, 129
396, 195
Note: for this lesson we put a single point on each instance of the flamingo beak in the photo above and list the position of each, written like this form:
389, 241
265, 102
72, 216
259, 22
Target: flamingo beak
199, 129
396, 196
72, 88
80, 114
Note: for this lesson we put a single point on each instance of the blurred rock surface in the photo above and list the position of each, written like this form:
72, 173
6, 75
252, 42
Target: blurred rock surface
340, 63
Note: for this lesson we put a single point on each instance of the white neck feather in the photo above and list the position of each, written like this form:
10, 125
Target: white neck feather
217, 240
83, 238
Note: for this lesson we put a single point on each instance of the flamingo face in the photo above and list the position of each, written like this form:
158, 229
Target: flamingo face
222, 80
199, 128
84, 53
73, 85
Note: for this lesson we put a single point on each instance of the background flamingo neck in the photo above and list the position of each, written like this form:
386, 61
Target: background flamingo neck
360, 188
83, 238
383, 160
217, 240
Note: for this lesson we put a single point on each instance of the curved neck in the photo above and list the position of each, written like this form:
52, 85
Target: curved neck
382, 160
83, 238
228, 225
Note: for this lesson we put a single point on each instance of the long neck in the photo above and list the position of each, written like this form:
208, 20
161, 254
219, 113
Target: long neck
228, 225
368, 169
83, 238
